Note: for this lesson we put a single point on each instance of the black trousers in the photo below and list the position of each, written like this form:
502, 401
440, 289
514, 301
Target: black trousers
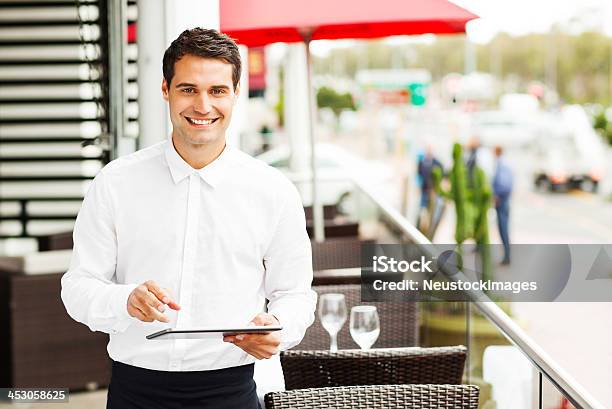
132, 387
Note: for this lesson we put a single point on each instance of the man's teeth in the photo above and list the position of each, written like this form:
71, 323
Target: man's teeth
201, 121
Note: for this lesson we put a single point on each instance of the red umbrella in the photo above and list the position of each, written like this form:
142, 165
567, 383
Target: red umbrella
261, 22
257, 23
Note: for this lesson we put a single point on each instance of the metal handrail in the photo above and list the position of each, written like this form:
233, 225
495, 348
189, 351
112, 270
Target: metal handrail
566, 384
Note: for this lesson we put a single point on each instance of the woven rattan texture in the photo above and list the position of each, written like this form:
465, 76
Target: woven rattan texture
318, 369
377, 397
336, 253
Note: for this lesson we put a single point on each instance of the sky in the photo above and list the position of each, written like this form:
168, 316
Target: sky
519, 17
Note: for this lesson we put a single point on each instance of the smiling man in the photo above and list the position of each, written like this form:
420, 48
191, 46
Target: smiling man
191, 233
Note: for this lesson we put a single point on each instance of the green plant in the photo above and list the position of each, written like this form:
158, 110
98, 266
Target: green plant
329, 98
472, 203
603, 126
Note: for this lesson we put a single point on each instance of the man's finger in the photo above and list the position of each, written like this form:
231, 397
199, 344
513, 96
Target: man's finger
154, 302
141, 315
153, 313
264, 319
173, 304
159, 292
135, 312
162, 295
152, 308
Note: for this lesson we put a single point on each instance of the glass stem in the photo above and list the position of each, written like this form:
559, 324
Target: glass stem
333, 347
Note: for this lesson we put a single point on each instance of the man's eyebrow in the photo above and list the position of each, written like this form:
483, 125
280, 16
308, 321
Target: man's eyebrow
188, 84
185, 84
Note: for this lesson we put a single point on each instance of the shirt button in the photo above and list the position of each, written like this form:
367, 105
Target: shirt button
174, 366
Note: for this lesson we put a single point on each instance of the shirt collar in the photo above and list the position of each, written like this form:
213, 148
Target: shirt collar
211, 173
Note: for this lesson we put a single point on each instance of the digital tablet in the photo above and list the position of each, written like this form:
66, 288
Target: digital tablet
204, 333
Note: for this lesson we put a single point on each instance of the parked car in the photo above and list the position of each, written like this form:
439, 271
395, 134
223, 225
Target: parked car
505, 128
559, 166
568, 153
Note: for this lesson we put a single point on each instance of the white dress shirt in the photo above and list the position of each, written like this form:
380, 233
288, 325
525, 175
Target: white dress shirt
222, 239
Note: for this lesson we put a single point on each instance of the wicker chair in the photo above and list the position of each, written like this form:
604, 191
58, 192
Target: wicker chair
329, 212
337, 253
335, 228
398, 322
395, 366
56, 241
377, 397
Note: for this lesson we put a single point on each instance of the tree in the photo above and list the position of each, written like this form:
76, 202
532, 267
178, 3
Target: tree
578, 65
329, 98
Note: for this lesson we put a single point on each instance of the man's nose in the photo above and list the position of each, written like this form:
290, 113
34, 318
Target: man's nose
203, 103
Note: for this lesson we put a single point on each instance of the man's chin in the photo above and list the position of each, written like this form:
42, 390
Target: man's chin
204, 139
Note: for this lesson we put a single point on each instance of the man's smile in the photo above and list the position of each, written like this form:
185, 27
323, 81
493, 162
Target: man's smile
203, 122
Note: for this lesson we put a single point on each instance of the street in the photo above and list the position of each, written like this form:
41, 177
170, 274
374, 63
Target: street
575, 335
542, 217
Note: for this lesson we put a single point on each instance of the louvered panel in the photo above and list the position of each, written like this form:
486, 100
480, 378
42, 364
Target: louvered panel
46, 208
84, 129
58, 72
12, 209
53, 109
49, 150
57, 111
47, 15
16, 132
58, 92
50, 189
40, 3
36, 228
70, 34
42, 168
48, 54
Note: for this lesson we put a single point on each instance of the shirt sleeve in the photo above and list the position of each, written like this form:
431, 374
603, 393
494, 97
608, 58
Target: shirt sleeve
90, 292
288, 264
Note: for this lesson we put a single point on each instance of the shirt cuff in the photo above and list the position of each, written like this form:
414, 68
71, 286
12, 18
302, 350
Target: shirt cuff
288, 339
118, 302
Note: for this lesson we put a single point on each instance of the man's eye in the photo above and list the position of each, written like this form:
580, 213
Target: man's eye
218, 91
188, 90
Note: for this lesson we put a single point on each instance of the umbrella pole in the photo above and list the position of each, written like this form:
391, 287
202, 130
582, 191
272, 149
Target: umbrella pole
317, 207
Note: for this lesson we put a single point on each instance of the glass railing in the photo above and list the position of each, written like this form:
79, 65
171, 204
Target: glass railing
512, 370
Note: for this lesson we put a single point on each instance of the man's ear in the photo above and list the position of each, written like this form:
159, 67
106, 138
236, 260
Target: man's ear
237, 90
164, 89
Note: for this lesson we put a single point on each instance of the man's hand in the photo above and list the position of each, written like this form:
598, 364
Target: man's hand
261, 346
148, 302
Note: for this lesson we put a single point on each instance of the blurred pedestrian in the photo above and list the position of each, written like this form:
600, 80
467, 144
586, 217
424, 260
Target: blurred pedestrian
266, 138
426, 166
478, 156
502, 190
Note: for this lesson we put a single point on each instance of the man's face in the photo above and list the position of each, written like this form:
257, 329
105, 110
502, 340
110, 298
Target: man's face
201, 97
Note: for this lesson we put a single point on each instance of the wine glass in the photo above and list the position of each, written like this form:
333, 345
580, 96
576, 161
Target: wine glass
365, 325
332, 313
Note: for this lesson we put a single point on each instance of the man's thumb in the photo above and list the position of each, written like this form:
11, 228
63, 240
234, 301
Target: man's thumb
263, 319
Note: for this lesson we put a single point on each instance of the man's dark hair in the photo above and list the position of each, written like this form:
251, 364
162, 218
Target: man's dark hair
205, 43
